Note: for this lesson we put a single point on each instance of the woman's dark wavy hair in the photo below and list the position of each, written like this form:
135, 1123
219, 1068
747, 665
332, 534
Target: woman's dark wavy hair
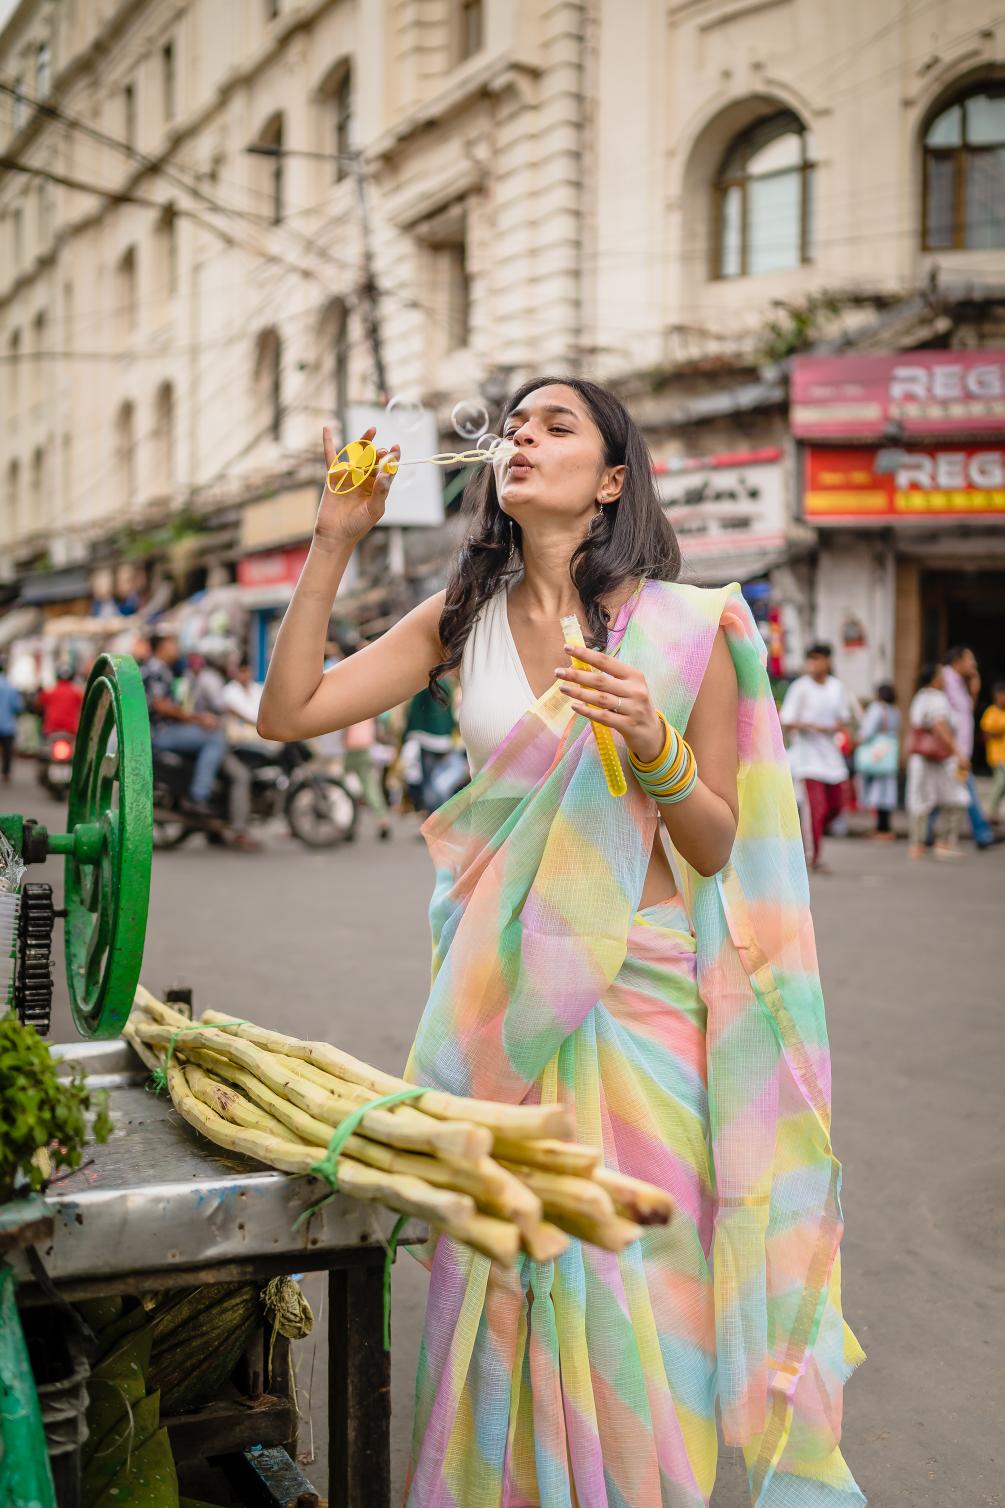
629, 538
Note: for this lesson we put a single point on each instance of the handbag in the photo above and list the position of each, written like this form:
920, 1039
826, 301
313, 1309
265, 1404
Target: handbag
929, 744
879, 755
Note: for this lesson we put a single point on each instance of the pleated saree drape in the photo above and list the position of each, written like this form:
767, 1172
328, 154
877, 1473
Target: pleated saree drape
691, 1041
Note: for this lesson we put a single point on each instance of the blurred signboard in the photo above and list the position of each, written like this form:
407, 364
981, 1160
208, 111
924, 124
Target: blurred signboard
416, 495
842, 486
272, 567
731, 501
926, 393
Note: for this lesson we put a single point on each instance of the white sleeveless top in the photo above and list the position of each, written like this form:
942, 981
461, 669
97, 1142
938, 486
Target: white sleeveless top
495, 692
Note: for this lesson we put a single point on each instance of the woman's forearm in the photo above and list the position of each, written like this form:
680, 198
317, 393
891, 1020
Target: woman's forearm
297, 663
702, 829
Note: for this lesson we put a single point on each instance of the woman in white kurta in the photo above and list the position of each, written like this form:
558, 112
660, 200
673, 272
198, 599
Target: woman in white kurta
935, 784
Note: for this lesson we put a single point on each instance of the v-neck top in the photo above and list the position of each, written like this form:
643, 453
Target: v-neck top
495, 691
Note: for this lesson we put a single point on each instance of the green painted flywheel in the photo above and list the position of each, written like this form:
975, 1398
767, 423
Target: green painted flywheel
108, 848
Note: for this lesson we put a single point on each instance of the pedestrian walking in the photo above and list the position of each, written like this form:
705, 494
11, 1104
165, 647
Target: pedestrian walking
816, 709
961, 684
430, 738
877, 759
993, 729
937, 768
11, 704
681, 1023
360, 741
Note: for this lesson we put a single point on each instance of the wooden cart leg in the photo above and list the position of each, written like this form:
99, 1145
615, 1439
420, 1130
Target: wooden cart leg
359, 1388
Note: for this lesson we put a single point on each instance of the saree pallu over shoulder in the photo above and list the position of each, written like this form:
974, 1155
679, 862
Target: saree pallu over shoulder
539, 874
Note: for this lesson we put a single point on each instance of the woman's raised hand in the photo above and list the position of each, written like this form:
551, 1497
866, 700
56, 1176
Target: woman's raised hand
344, 517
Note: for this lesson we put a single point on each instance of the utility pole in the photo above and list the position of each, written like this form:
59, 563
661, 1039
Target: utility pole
371, 318
368, 288
369, 302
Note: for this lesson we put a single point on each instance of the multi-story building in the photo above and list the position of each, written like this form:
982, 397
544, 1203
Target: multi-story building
677, 196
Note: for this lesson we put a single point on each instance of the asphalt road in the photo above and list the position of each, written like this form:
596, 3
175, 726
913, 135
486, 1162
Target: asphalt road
337, 945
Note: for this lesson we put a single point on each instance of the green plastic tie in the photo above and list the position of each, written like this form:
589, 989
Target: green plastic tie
327, 1168
159, 1078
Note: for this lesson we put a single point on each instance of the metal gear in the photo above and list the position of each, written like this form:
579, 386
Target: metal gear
33, 975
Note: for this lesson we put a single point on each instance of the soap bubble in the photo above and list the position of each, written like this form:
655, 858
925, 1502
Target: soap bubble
469, 418
488, 441
406, 413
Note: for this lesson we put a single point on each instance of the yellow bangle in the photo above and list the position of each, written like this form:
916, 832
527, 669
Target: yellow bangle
654, 764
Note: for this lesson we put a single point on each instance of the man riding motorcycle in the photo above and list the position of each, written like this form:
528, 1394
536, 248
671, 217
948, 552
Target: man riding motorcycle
208, 697
176, 731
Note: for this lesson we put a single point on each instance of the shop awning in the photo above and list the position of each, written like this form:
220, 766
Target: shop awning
56, 586
717, 567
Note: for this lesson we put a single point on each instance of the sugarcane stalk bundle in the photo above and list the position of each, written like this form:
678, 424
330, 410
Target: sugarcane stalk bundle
501, 1178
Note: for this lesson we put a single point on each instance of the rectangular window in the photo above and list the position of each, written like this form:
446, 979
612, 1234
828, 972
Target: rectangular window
940, 200
20, 104
731, 232
168, 80
471, 27
343, 126
458, 289
984, 228
42, 71
129, 115
774, 223
17, 232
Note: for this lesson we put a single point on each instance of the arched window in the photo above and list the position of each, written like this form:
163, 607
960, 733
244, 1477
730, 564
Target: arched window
964, 182
270, 140
269, 385
764, 199
13, 501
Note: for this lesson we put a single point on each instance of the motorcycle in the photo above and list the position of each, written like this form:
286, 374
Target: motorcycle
55, 763
319, 809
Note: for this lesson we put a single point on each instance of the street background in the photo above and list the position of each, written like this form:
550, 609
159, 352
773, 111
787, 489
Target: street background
776, 230
337, 946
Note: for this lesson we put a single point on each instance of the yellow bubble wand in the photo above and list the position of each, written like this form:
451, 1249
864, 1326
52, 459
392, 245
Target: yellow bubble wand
610, 763
358, 460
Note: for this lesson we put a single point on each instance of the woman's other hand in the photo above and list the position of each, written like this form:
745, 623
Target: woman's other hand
616, 695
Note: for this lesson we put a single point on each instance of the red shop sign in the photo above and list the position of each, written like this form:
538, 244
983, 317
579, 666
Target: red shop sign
958, 482
928, 393
272, 567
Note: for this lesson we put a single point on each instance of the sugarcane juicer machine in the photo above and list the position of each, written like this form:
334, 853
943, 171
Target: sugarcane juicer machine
108, 849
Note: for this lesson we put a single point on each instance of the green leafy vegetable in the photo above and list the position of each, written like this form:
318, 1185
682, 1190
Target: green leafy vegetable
43, 1113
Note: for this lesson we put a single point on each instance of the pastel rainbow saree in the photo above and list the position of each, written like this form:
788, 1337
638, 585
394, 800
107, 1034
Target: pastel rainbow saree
691, 1041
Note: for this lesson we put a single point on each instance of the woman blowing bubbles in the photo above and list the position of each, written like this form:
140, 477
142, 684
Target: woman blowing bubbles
673, 1003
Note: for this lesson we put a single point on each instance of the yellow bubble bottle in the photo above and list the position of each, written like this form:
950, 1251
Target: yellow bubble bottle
611, 764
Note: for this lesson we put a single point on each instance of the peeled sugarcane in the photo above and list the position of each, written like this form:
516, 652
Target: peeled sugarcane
453, 1213
401, 1125
280, 1100
638, 1201
517, 1121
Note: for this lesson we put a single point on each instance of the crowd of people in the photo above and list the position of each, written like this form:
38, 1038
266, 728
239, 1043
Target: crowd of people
205, 702
843, 755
